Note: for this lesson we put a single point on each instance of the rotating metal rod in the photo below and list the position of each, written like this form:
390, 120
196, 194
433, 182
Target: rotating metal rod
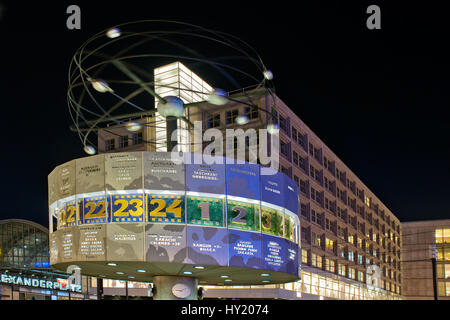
119, 65
120, 117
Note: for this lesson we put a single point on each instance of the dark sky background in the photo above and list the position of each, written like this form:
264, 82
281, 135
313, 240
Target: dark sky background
377, 98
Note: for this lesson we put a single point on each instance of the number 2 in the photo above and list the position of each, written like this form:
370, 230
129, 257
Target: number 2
241, 215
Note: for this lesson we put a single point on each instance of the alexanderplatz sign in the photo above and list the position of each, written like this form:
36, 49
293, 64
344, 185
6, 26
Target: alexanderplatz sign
137, 215
59, 284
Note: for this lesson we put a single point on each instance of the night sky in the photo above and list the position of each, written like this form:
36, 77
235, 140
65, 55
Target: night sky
377, 98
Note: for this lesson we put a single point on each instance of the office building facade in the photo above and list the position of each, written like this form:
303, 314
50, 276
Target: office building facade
345, 228
422, 239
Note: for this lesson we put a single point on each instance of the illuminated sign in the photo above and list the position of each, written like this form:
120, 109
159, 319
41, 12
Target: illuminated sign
60, 284
153, 208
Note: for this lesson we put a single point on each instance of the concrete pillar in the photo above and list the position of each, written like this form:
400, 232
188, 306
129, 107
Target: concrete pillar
166, 286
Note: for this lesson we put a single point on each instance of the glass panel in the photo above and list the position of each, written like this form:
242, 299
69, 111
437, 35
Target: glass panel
438, 235
446, 234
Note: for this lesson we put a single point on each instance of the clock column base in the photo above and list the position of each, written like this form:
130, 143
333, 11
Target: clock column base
175, 288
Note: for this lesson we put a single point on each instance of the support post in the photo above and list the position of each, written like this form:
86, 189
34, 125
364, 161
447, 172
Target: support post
171, 126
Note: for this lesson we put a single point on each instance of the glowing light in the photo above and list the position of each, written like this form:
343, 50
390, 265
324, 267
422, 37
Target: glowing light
218, 97
113, 33
100, 86
133, 126
141, 270
89, 150
265, 274
199, 267
113, 264
187, 272
268, 75
273, 128
241, 120
173, 106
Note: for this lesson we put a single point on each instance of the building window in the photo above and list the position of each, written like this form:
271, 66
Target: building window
123, 141
110, 144
340, 213
328, 224
297, 181
311, 149
442, 235
214, 120
284, 124
302, 163
251, 112
285, 149
315, 195
367, 201
316, 240
295, 158
360, 259
351, 239
341, 233
351, 273
329, 244
329, 265
351, 256
303, 210
303, 233
360, 276
341, 269
137, 138
286, 171
316, 260
304, 256
230, 116
303, 186
341, 250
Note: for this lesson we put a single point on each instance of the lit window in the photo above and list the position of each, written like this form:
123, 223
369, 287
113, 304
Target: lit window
341, 269
442, 235
329, 244
350, 238
351, 273
367, 201
360, 276
351, 256
304, 256
316, 261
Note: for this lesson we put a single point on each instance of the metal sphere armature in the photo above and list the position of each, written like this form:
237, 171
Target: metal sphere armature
112, 81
